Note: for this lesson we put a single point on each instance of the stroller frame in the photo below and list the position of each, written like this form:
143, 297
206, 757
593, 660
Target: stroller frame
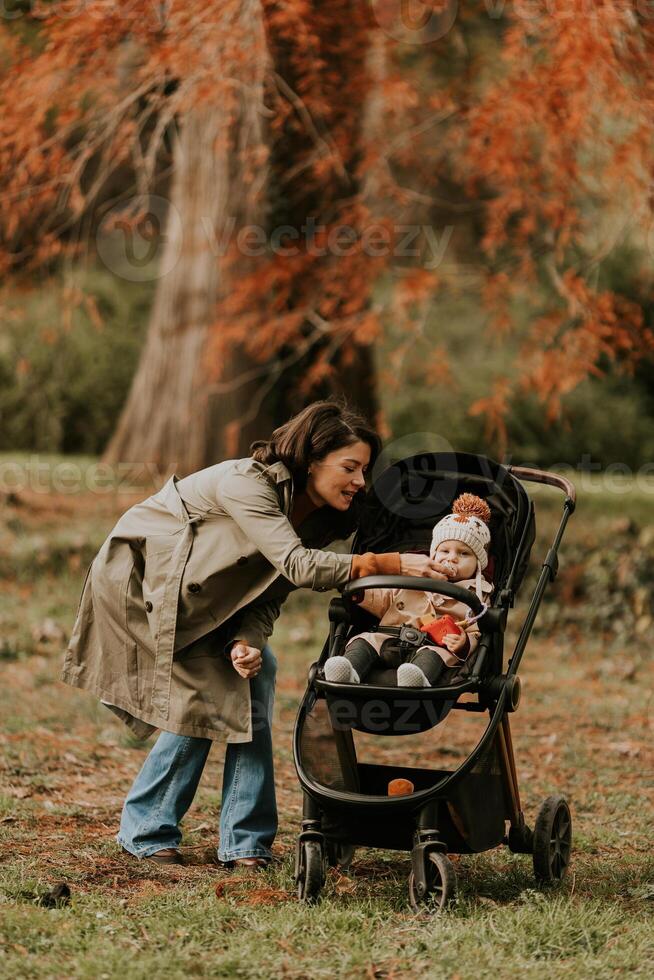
443, 814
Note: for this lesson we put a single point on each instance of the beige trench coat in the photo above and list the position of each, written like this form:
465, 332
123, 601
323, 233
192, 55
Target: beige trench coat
207, 559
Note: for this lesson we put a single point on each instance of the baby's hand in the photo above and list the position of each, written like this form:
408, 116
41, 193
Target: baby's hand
455, 642
422, 566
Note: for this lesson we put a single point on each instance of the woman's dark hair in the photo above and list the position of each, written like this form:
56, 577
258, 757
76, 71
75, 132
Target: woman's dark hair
312, 434
308, 437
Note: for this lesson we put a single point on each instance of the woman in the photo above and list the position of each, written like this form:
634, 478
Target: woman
180, 601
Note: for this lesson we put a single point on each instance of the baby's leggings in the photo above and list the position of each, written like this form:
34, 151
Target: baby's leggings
364, 655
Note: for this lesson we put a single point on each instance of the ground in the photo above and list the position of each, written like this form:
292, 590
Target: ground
583, 729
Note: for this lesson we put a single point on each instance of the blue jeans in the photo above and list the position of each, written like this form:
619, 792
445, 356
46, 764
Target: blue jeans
166, 785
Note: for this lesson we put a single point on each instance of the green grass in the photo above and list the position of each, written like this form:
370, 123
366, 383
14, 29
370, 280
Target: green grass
187, 930
600, 496
67, 763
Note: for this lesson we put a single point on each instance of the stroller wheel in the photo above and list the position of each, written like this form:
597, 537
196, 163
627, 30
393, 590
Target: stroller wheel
310, 874
441, 884
339, 854
552, 840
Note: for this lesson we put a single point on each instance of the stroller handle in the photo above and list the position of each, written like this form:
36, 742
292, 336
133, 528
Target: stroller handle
467, 596
551, 479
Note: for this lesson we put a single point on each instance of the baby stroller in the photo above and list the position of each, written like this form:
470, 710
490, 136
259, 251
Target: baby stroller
466, 810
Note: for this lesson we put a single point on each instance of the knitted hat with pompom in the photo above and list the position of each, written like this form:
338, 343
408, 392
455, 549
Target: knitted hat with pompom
468, 523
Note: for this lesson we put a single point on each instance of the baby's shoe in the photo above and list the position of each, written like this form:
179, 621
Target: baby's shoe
339, 670
410, 675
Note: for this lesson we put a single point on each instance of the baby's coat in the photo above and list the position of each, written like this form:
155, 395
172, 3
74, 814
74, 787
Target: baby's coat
408, 607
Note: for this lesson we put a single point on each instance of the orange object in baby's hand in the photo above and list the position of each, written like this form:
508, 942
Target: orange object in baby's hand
440, 628
400, 787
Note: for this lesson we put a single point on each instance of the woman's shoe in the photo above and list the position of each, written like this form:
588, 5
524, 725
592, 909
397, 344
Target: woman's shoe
251, 863
167, 855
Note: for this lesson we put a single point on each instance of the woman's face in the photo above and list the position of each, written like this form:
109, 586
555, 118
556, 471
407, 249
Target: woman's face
335, 479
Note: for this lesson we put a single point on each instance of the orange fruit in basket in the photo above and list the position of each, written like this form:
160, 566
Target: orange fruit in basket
400, 787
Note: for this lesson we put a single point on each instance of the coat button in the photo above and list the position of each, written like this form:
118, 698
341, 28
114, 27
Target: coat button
400, 605
148, 606
243, 560
194, 587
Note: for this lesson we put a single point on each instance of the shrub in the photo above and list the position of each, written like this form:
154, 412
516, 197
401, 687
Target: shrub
67, 357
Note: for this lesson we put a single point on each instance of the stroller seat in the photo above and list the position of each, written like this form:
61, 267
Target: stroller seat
378, 705
386, 676
399, 514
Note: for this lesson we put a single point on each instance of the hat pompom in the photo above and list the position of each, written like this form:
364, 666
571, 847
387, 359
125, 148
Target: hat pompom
469, 505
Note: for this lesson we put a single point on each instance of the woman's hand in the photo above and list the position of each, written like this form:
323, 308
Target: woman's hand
245, 660
422, 566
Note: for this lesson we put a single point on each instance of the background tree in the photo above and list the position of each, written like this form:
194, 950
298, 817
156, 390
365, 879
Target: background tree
521, 131
265, 131
578, 125
238, 343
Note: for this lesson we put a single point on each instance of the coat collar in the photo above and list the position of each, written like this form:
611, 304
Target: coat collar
170, 498
469, 583
283, 478
279, 472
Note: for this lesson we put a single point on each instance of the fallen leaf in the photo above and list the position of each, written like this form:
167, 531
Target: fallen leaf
257, 896
222, 886
625, 748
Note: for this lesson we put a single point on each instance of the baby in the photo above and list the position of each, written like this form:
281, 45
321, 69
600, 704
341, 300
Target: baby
460, 544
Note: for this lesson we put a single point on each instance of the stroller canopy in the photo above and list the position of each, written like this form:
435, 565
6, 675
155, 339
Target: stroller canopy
412, 494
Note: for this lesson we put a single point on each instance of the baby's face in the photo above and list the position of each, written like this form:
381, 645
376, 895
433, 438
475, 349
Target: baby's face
457, 557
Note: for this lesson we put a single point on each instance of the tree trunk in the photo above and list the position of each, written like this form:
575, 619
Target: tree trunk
164, 419
176, 416
171, 420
